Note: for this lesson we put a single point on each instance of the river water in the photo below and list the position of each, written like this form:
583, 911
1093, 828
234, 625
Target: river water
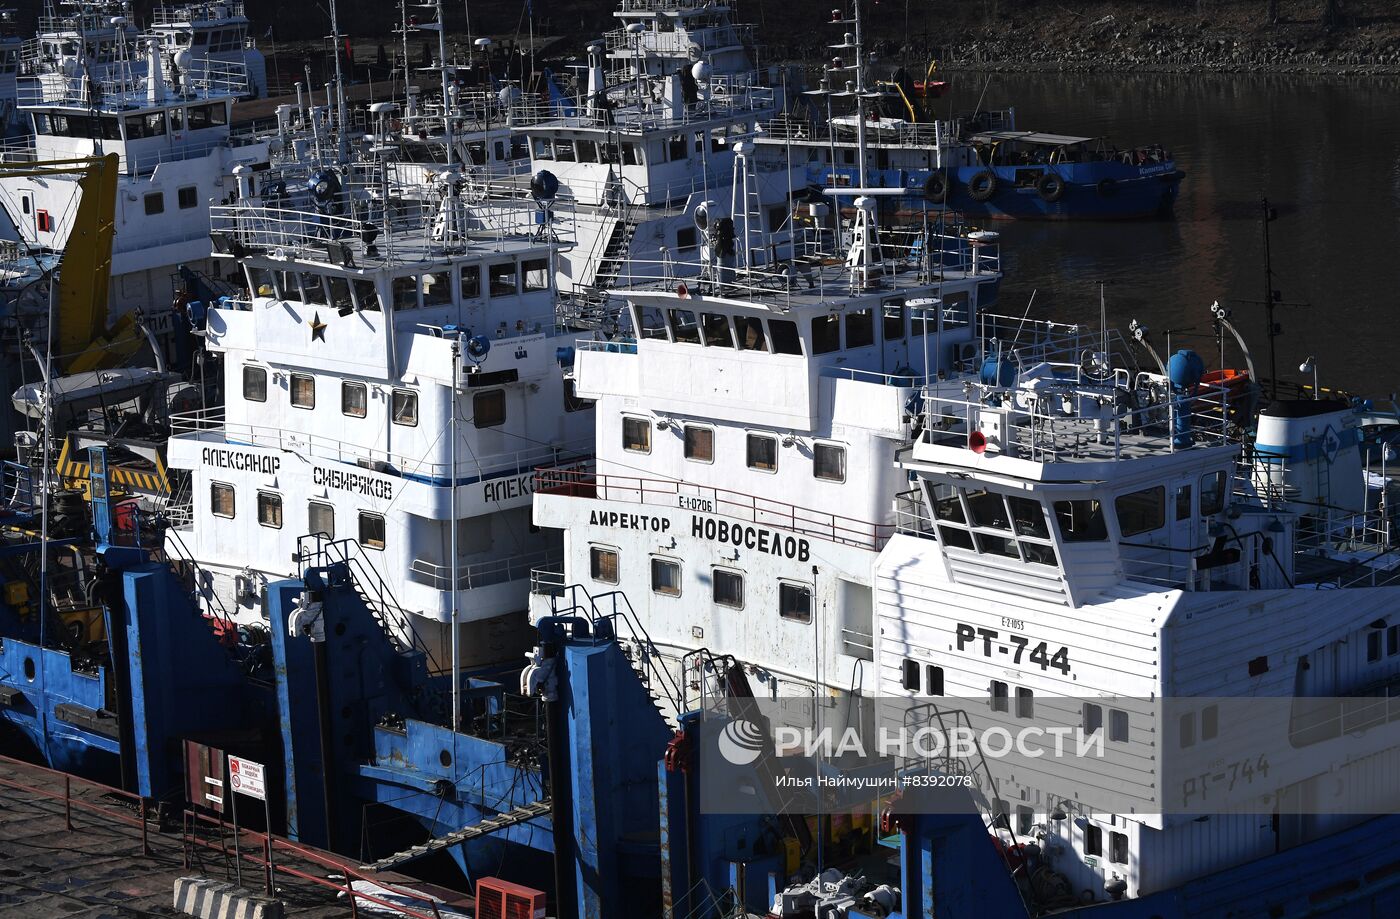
1325, 151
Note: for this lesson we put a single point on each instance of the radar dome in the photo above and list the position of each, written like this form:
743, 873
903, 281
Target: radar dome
700, 71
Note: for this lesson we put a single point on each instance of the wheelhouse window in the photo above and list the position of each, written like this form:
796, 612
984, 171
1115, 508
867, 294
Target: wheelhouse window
955, 310
303, 391
1081, 520
636, 434
403, 408
650, 323
728, 588
784, 336
502, 279
666, 577
684, 327
751, 337
254, 383
471, 281
188, 197
826, 334
1213, 493
320, 519
699, 443
860, 328
270, 510
535, 273
892, 326
602, 564
372, 530
990, 523
489, 408
437, 289
762, 452
354, 399
155, 203
829, 462
221, 500
405, 292
716, 329
795, 601
1141, 511
340, 295
313, 289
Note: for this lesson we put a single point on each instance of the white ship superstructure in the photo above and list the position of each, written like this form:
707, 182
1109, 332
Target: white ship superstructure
1092, 541
391, 385
746, 434
210, 30
655, 132
11, 45
176, 157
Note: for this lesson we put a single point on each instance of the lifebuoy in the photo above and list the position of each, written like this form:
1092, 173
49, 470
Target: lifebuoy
1107, 188
982, 185
1050, 187
936, 188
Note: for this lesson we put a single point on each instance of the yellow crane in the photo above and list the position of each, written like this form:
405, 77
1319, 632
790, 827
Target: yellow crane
85, 271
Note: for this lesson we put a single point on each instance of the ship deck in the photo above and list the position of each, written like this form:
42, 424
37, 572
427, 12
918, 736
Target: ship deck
98, 869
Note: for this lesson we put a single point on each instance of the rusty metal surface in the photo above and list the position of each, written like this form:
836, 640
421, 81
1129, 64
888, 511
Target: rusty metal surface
97, 870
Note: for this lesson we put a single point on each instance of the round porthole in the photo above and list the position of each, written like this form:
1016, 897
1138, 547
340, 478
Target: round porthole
29, 671
445, 758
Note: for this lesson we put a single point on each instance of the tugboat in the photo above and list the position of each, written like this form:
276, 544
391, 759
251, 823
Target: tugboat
979, 165
175, 153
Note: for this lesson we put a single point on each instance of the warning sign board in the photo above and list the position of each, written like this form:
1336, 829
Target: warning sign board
246, 778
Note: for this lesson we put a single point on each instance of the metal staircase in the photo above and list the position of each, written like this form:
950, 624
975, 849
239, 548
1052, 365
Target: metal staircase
486, 827
591, 309
636, 645
316, 551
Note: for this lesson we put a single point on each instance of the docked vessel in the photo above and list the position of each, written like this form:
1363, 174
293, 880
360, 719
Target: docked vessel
175, 153
978, 164
102, 40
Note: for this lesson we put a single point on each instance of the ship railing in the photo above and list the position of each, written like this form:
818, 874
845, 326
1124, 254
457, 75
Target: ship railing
1169, 574
911, 516
317, 550
583, 482
658, 6
178, 14
681, 41
480, 574
127, 85
904, 134
30, 149
1034, 427
208, 602
211, 424
548, 580
1336, 532
616, 610
722, 97
17, 485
